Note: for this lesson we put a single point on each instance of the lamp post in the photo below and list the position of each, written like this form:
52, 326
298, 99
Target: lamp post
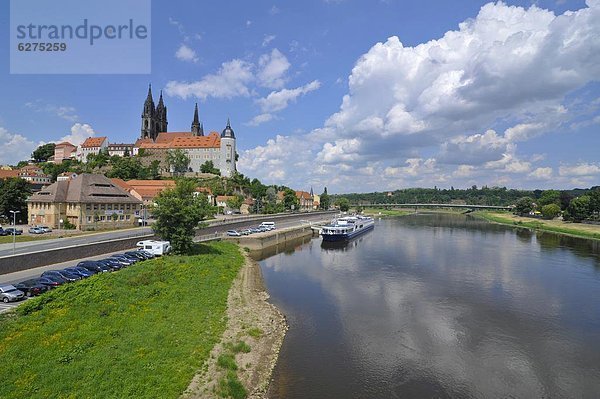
14, 229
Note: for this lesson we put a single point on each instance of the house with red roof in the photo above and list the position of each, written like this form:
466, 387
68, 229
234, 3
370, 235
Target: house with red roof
91, 145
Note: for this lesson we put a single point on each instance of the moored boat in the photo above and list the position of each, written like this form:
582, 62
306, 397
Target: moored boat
346, 228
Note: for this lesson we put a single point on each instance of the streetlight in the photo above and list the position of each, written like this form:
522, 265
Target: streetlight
14, 228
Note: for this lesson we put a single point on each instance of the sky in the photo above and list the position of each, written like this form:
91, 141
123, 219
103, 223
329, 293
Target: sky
354, 95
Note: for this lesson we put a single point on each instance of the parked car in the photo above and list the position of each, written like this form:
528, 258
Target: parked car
268, 225
122, 260
36, 230
51, 281
3, 232
45, 229
31, 287
8, 293
68, 277
134, 258
81, 271
13, 230
233, 233
255, 230
137, 254
94, 266
112, 263
150, 255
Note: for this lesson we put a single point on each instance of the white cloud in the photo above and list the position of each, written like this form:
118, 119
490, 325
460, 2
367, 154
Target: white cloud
67, 113
15, 147
580, 169
508, 66
185, 53
541, 174
231, 80
464, 171
279, 100
268, 39
274, 10
260, 119
272, 69
79, 132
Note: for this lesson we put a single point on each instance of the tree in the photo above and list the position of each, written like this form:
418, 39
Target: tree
595, 202
325, 201
235, 202
343, 204
550, 211
178, 162
271, 194
524, 206
565, 200
209, 167
549, 197
290, 201
43, 152
579, 209
126, 153
13, 197
178, 212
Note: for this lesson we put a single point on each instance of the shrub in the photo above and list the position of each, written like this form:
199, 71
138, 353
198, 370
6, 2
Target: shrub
550, 211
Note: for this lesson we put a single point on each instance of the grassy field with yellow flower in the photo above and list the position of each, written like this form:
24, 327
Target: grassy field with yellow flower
141, 332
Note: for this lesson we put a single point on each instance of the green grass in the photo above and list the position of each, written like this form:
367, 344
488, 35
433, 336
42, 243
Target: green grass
9, 239
386, 212
537, 225
231, 387
255, 332
141, 332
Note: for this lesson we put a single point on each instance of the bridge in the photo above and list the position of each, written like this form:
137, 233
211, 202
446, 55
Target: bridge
459, 206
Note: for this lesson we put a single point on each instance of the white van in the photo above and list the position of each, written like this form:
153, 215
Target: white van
268, 225
157, 248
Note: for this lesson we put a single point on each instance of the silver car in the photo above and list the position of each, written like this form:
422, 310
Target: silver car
8, 293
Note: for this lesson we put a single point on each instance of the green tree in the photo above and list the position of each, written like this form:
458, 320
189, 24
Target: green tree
127, 168
550, 211
43, 152
178, 162
549, 197
343, 203
235, 202
325, 201
524, 206
178, 212
126, 153
290, 201
579, 209
13, 197
271, 195
209, 167
595, 202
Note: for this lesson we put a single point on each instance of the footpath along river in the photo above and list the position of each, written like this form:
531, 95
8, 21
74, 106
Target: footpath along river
436, 305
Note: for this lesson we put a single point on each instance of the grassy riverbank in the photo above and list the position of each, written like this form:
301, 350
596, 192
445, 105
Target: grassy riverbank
141, 332
554, 226
386, 212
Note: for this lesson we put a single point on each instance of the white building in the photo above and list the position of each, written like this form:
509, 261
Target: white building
91, 145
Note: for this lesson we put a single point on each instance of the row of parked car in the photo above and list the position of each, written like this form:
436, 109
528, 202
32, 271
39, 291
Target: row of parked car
9, 231
40, 230
264, 226
84, 269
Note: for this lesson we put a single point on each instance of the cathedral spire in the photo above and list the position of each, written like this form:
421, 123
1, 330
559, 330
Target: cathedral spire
196, 128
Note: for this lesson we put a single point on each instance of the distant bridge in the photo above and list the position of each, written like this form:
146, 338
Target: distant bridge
472, 207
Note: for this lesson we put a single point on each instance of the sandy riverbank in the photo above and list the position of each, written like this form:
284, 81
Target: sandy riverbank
253, 320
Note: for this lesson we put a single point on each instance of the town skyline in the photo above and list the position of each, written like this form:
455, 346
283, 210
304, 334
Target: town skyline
401, 103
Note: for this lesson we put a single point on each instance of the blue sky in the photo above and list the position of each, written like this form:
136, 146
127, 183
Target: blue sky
354, 95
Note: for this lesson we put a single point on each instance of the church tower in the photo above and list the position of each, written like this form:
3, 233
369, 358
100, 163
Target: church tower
161, 115
154, 119
197, 129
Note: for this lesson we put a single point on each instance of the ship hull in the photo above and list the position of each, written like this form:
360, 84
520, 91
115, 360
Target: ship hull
346, 236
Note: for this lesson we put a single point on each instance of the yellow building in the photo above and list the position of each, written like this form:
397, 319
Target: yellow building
87, 201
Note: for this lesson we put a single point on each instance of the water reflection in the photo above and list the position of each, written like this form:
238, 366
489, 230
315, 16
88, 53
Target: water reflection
438, 306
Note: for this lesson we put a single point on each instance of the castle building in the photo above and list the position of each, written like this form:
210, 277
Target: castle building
155, 141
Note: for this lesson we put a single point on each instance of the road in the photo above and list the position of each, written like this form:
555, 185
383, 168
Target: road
57, 243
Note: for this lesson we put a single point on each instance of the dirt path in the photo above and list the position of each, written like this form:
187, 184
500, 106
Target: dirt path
253, 320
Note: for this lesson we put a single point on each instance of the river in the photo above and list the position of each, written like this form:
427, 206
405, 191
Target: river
438, 305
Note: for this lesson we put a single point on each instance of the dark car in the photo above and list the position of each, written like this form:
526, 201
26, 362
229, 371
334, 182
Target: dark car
32, 287
81, 271
95, 266
11, 230
70, 277
124, 261
3, 232
132, 258
51, 281
112, 263
150, 255
136, 254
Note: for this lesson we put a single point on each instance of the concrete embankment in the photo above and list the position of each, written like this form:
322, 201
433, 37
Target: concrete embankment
262, 241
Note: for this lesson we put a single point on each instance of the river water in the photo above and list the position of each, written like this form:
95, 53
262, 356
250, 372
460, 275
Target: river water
435, 306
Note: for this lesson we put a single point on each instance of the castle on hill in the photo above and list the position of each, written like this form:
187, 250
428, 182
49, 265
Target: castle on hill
156, 141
